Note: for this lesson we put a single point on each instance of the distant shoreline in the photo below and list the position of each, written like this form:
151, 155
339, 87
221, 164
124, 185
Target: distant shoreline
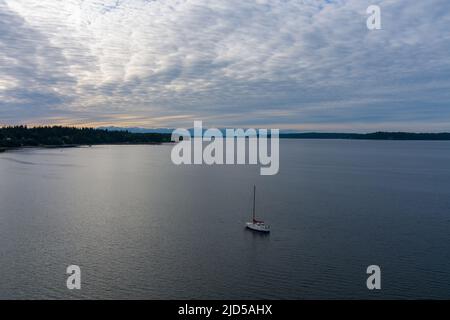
19, 137
284, 136
69, 137
399, 136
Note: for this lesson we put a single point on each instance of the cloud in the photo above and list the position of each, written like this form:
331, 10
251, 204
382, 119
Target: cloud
293, 64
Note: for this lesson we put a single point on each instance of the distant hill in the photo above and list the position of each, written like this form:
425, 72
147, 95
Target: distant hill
291, 134
138, 130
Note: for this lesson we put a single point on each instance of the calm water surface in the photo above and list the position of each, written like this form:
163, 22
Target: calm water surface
141, 227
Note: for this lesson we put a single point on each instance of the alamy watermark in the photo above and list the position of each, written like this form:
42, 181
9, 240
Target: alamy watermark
374, 280
241, 146
373, 22
74, 279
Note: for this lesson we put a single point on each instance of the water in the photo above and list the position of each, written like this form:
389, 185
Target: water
141, 227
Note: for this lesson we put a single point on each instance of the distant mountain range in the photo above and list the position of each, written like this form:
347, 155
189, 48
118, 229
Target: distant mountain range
167, 130
292, 134
138, 130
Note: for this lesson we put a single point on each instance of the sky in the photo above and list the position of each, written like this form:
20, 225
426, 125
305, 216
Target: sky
307, 65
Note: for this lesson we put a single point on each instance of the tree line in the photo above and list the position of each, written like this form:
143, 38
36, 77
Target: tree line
22, 136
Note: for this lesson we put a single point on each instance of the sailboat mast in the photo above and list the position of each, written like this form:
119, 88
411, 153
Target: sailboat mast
254, 200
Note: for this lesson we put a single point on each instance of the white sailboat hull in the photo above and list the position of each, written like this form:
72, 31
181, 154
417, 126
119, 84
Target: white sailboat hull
258, 226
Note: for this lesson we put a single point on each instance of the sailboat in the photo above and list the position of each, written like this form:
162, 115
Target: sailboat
257, 225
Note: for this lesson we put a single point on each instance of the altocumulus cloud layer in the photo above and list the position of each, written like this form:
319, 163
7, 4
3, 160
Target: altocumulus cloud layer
308, 64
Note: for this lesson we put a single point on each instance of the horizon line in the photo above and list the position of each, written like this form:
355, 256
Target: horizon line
286, 131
